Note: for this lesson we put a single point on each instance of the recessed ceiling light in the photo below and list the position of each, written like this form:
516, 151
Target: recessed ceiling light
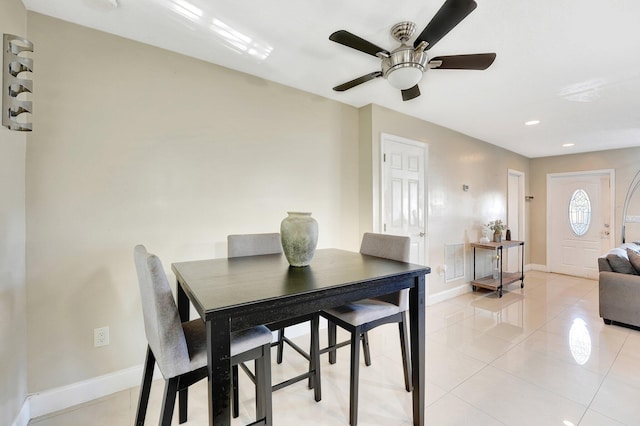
567, 145
531, 122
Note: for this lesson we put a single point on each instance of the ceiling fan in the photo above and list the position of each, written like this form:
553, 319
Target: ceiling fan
405, 66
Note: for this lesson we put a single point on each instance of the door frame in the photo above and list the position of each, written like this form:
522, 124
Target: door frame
612, 203
378, 213
521, 205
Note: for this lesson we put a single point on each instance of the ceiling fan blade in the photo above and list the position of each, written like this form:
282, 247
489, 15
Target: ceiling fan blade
411, 93
450, 14
349, 84
353, 41
479, 61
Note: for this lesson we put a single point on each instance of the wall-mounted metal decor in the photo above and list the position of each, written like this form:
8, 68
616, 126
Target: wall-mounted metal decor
14, 63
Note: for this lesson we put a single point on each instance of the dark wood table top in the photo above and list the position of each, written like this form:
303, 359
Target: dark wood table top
218, 286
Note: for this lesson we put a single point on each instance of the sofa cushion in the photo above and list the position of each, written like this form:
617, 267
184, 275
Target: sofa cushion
619, 261
634, 259
633, 246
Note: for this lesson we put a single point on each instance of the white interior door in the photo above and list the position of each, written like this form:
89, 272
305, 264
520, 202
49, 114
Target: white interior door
403, 192
579, 228
515, 217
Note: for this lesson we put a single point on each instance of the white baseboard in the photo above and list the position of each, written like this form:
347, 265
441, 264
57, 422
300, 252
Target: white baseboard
448, 294
57, 399
24, 415
535, 267
466, 287
52, 400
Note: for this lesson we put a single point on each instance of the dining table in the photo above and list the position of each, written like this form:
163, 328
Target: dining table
232, 294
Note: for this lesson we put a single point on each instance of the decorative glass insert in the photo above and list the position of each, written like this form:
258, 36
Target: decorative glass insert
579, 212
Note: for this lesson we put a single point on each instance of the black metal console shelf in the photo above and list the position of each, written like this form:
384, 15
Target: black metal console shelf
504, 278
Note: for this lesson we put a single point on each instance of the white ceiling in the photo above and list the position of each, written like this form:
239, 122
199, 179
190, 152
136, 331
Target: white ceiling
572, 64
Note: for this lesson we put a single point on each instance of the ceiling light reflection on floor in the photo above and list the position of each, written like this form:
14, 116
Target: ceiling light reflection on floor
580, 341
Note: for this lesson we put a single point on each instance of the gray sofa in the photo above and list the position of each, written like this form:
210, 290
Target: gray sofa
619, 286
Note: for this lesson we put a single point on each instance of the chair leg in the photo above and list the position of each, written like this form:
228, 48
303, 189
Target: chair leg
355, 372
145, 387
404, 345
263, 386
314, 362
183, 397
280, 346
259, 386
365, 348
236, 398
168, 401
332, 330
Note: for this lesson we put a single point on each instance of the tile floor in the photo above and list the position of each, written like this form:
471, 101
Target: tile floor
537, 356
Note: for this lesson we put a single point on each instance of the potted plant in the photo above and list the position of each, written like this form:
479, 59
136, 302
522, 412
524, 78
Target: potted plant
497, 227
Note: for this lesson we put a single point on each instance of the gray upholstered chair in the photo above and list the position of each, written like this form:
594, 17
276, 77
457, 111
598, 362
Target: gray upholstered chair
180, 350
240, 245
364, 315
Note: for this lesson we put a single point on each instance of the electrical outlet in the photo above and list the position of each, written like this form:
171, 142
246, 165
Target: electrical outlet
100, 336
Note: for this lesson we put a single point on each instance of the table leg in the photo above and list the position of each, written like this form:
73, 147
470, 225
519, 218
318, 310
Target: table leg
183, 303
183, 311
417, 327
219, 362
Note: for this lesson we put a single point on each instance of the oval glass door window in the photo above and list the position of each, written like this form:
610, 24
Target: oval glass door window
580, 212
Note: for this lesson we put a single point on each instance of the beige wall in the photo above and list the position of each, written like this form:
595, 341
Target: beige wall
625, 162
455, 159
139, 145
13, 323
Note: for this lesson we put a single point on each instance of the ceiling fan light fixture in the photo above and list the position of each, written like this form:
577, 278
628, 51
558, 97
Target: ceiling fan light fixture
405, 77
404, 66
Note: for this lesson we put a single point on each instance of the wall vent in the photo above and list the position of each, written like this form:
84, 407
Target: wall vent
454, 261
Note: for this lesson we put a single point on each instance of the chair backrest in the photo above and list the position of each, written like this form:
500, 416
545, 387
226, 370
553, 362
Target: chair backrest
392, 247
162, 323
253, 244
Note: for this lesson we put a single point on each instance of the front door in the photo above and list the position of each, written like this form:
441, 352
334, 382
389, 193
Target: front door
403, 192
579, 228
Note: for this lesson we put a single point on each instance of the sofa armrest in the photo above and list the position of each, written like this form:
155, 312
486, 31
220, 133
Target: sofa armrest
603, 264
620, 297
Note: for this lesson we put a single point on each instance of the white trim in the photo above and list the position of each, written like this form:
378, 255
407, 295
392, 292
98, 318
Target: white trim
24, 415
441, 296
521, 206
466, 287
536, 267
57, 399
